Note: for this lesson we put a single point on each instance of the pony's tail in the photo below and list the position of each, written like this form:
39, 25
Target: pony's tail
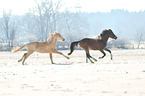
72, 46
18, 49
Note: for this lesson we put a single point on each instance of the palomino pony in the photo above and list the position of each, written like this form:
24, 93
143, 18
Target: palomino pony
98, 43
49, 46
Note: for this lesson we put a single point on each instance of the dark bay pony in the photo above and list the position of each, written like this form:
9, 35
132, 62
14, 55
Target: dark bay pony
98, 43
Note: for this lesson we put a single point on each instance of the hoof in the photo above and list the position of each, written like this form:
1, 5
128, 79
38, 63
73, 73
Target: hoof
19, 60
69, 54
95, 60
66, 57
100, 57
24, 63
92, 62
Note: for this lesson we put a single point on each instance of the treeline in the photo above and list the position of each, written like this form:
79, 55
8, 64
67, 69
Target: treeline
45, 18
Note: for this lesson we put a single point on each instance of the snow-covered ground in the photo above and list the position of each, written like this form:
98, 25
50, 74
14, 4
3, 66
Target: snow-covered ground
122, 76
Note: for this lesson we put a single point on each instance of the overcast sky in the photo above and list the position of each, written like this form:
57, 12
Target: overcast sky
22, 6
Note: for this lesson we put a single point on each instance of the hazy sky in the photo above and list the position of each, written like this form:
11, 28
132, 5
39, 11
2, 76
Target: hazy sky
22, 6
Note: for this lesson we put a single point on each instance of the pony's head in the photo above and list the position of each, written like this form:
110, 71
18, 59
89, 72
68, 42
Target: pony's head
58, 36
109, 33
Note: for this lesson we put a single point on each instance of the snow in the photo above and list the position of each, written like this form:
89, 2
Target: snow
122, 76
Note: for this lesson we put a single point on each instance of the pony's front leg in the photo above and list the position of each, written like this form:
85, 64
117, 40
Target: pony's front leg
50, 54
109, 52
103, 55
61, 54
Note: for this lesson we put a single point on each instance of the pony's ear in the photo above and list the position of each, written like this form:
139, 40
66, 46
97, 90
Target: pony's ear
56, 32
104, 30
109, 29
51, 34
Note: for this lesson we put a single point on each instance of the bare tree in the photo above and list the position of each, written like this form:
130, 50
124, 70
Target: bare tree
8, 29
45, 16
139, 37
28, 26
5, 27
12, 36
74, 25
5, 22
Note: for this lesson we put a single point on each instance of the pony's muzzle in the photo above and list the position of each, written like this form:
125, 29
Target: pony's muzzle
115, 38
63, 39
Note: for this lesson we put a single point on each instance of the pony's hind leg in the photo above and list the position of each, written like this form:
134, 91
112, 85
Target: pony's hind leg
89, 56
22, 58
109, 52
103, 55
93, 58
26, 56
86, 58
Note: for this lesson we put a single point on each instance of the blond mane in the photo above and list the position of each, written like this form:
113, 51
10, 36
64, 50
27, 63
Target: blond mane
51, 35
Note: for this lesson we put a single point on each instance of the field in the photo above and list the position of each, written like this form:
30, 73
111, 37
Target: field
122, 76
